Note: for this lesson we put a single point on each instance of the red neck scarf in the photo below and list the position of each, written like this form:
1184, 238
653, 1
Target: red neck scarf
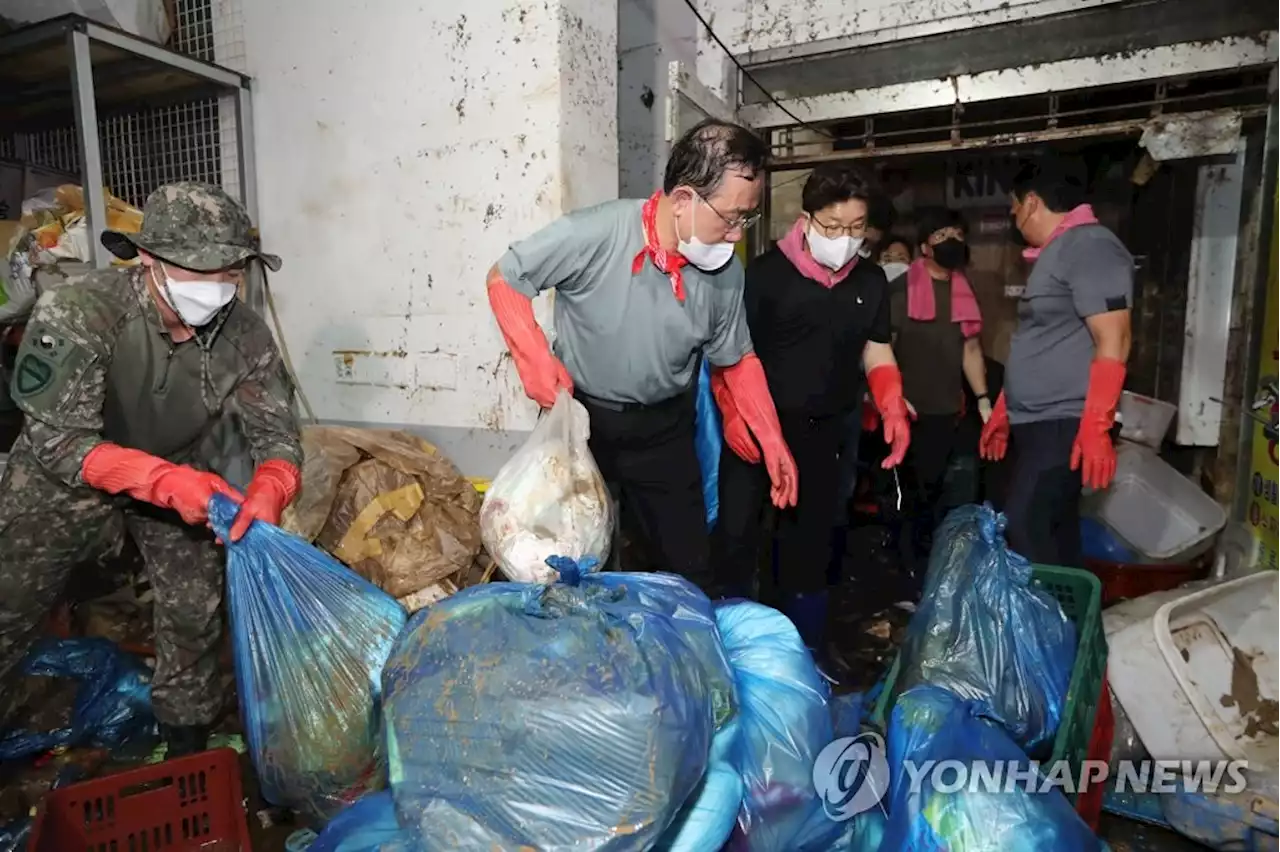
668, 262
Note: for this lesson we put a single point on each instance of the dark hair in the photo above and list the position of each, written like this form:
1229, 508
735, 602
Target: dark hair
832, 183
934, 219
702, 156
1058, 183
880, 213
896, 239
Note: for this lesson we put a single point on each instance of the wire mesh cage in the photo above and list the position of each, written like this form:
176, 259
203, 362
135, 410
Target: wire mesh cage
145, 148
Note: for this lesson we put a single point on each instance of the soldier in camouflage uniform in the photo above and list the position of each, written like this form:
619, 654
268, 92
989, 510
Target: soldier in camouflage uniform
123, 380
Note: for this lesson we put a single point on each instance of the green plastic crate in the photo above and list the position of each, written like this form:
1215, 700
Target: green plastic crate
1080, 595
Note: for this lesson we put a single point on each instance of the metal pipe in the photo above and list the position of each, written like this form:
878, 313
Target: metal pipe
1116, 128
888, 135
256, 285
90, 152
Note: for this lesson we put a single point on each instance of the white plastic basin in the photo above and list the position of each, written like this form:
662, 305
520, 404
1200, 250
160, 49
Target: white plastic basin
1221, 644
1156, 510
1145, 419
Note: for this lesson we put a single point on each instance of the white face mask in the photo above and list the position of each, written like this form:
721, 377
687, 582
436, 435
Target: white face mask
196, 302
894, 269
707, 257
833, 253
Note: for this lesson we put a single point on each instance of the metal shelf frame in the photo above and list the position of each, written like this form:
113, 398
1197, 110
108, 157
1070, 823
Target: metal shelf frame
79, 36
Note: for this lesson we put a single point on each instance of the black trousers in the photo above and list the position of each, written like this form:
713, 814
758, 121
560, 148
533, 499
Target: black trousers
933, 445
646, 455
1042, 501
804, 532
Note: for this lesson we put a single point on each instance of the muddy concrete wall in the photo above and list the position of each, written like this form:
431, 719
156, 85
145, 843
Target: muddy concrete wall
400, 148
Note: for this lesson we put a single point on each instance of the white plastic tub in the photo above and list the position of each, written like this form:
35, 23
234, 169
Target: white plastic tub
1221, 645
1144, 419
1197, 678
1156, 510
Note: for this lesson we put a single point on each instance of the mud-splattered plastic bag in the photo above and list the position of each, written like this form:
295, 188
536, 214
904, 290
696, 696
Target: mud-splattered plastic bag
548, 500
310, 637
576, 715
984, 632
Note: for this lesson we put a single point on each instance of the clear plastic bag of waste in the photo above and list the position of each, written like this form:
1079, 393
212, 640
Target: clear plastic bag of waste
548, 500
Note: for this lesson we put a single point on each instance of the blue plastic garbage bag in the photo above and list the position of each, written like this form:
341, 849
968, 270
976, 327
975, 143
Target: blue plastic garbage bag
984, 632
864, 833
786, 720
369, 825
707, 819
310, 637
994, 810
113, 702
708, 438
574, 715
14, 836
1099, 542
847, 713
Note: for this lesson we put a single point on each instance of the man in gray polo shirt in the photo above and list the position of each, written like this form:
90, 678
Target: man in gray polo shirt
644, 290
1066, 364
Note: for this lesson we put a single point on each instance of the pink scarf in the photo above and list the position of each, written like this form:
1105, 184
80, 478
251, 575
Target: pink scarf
792, 245
1077, 216
920, 306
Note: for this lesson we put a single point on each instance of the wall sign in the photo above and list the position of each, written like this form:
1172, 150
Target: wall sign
1261, 513
980, 181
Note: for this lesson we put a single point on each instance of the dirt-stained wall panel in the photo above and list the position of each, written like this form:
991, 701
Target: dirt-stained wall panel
401, 147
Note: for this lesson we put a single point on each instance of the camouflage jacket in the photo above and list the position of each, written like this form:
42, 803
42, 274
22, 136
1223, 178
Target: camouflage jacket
96, 365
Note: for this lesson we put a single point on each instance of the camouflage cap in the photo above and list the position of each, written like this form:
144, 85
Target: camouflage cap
193, 225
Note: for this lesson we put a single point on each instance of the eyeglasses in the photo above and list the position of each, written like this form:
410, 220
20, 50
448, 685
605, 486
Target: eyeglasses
839, 230
740, 223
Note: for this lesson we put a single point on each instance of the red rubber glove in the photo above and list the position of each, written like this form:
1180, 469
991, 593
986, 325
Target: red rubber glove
1093, 454
274, 485
870, 417
749, 390
736, 433
116, 469
885, 382
540, 371
995, 434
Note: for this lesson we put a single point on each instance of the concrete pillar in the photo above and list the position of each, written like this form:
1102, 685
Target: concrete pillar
651, 34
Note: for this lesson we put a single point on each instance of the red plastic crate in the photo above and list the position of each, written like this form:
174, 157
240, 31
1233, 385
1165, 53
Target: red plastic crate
182, 805
1089, 802
1122, 581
